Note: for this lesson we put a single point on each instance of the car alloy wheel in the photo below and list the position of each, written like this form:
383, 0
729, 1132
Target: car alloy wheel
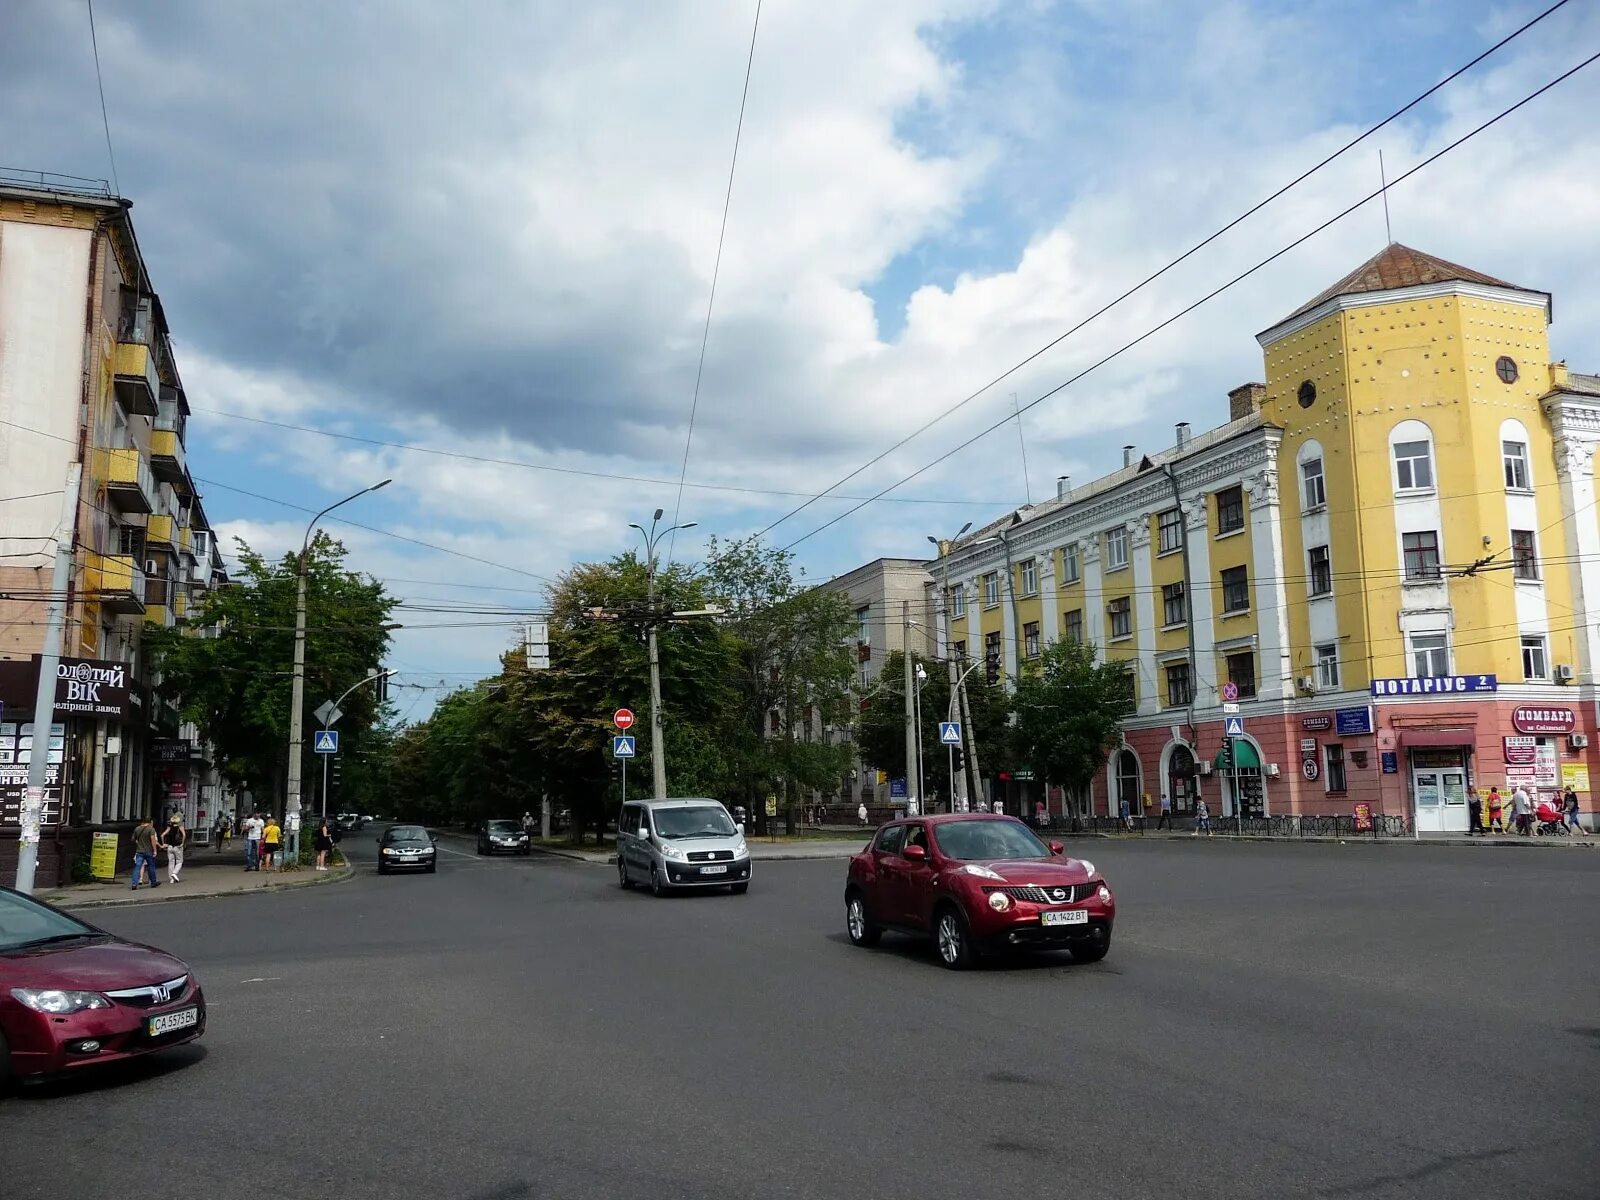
862, 931
622, 874
656, 885
955, 947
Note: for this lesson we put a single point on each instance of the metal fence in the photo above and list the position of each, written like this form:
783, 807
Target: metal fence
1341, 825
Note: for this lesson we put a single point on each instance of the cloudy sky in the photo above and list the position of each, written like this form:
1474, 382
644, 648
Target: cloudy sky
488, 228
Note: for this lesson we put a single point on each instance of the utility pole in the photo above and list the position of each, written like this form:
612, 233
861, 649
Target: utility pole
944, 548
911, 719
658, 749
44, 698
969, 735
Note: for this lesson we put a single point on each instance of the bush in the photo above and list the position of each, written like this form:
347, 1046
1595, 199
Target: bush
80, 869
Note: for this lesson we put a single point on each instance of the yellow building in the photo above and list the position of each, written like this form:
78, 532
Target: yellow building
1385, 559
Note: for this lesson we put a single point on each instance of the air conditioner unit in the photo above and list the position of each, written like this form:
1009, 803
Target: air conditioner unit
1272, 770
1308, 683
1564, 673
1578, 741
150, 567
1203, 767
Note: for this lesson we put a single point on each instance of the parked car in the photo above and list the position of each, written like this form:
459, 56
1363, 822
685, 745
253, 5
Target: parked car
974, 883
73, 996
681, 844
509, 836
407, 848
349, 822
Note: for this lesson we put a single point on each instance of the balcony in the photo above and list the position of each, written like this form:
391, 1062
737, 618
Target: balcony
158, 601
130, 488
161, 532
180, 604
137, 380
116, 581
166, 444
186, 543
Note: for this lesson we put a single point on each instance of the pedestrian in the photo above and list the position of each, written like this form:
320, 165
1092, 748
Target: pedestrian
1522, 806
252, 842
527, 824
175, 837
861, 813
1474, 814
1166, 813
1202, 817
1039, 812
145, 848
1126, 813
1496, 811
271, 837
1569, 811
324, 844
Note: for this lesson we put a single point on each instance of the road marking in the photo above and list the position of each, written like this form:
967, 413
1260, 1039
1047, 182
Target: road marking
263, 979
457, 853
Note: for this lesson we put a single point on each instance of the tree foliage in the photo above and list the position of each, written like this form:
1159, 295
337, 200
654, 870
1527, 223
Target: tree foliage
1069, 710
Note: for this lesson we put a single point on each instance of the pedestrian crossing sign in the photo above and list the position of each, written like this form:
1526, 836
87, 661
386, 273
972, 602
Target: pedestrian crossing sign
1233, 727
622, 746
950, 733
326, 742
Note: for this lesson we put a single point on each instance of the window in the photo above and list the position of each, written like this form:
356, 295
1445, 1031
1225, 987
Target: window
1242, 673
775, 721
1328, 665
1030, 639
1524, 555
1230, 510
1116, 548
1072, 626
1170, 531
991, 646
1235, 590
1030, 577
1535, 663
1172, 607
1121, 610
1430, 655
991, 590
864, 626
1314, 486
1421, 554
1321, 571
1333, 758
1413, 466
890, 839
1180, 686
1069, 563
958, 600
1515, 457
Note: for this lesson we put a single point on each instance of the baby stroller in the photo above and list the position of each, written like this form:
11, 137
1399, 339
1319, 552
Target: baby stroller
1551, 824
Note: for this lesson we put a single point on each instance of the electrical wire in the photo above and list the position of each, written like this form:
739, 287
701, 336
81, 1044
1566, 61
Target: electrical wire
1205, 299
105, 120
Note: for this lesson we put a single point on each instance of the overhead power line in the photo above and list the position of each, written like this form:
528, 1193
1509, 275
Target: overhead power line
1203, 300
1151, 278
105, 120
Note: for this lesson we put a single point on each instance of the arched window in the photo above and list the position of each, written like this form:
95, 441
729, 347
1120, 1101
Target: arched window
1514, 456
1182, 779
1128, 783
1411, 448
1313, 484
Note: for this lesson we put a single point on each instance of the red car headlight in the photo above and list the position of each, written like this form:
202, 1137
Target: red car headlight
57, 1002
999, 901
1105, 894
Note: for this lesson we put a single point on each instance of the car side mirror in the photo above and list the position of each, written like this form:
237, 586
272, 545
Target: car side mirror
916, 853
1057, 848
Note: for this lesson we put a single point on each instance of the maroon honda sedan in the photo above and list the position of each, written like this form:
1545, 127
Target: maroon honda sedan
73, 996
976, 882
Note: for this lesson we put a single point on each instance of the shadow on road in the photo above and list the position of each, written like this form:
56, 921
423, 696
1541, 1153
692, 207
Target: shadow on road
128, 1073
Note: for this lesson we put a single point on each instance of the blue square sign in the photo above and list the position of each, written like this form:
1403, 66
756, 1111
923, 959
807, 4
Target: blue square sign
622, 746
326, 741
950, 733
1233, 727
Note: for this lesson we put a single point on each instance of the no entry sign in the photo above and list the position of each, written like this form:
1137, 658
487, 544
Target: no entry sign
623, 718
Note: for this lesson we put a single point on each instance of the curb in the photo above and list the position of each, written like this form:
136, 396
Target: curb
1569, 843
336, 875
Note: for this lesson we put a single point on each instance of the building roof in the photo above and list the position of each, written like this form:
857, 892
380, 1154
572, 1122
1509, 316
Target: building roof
1582, 385
1397, 266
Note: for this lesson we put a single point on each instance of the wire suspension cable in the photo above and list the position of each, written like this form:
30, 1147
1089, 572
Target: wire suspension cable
105, 120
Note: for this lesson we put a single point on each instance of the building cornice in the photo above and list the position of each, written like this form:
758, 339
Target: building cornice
1425, 291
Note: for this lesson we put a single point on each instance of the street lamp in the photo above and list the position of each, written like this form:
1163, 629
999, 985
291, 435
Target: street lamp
297, 697
922, 783
944, 549
658, 751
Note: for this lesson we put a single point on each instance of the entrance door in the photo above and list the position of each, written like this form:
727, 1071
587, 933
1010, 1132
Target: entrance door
1453, 788
1441, 798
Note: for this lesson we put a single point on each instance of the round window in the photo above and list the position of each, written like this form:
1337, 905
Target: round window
1506, 368
1308, 393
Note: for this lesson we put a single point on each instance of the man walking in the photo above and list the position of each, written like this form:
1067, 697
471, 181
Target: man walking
252, 842
1522, 805
144, 852
1202, 817
174, 838
861, 813
1474, 814
1166, 813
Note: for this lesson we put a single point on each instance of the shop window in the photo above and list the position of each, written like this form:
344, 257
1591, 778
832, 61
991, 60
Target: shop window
1181, 782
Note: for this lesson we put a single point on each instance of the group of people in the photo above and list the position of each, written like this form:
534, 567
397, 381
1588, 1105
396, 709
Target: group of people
1495, 813
149, 844
265, 845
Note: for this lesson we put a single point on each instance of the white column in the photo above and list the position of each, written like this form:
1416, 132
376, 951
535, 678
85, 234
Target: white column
1144, 610
1202, 600
974, 594
1274, 670
1094, 601
1049, 600
1575, 470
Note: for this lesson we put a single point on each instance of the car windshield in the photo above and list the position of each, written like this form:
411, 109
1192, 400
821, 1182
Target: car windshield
24, 922
976, 840
694, 821
504, 827
408, 833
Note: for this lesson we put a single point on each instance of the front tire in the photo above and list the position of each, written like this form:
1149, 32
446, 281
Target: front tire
657, 888
953, 941
739, 889
622, 875
432, 868
856, 922
1093, 951
382, 870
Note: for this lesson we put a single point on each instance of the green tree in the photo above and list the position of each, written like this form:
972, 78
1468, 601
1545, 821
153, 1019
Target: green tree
235, 682
1069, 712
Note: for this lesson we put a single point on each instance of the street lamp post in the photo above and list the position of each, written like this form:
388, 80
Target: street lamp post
944, 549
969, 736
658, 751
297, 695
373, 678
922, 782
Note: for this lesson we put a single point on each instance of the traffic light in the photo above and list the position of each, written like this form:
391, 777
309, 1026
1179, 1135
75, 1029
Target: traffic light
991, 666
382, 685
334, 772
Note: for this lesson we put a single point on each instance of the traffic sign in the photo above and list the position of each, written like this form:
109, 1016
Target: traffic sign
1230, 691
328, 713
622, 746
1233, 727
1309, 768
950, 733
623, 718
326, 741
1229, 707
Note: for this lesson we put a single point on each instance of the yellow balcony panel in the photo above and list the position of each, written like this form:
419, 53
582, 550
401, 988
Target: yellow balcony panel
116, 581
167, 459
157, 614
130, 487
160, 531
186, 542
180, 605
137, 380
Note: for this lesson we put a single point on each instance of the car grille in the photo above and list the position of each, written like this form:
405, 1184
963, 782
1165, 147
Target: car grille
1069, 893
711, 856
153, 995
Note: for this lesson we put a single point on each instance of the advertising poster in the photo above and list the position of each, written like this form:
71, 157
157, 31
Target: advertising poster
103, 857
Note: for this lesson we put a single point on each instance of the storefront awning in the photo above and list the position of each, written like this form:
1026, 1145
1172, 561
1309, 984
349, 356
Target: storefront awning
1245, 757
1437, 737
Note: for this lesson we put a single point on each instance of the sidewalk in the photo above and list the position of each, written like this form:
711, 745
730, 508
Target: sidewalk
1427, 839
206, 872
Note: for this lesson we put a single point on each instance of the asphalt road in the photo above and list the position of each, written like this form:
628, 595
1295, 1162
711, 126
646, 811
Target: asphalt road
1337, 1021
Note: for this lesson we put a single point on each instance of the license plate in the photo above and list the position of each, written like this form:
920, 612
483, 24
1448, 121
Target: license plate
167, 1022
713, 870
1072, 916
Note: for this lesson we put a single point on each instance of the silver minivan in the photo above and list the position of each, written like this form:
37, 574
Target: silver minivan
690, 843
